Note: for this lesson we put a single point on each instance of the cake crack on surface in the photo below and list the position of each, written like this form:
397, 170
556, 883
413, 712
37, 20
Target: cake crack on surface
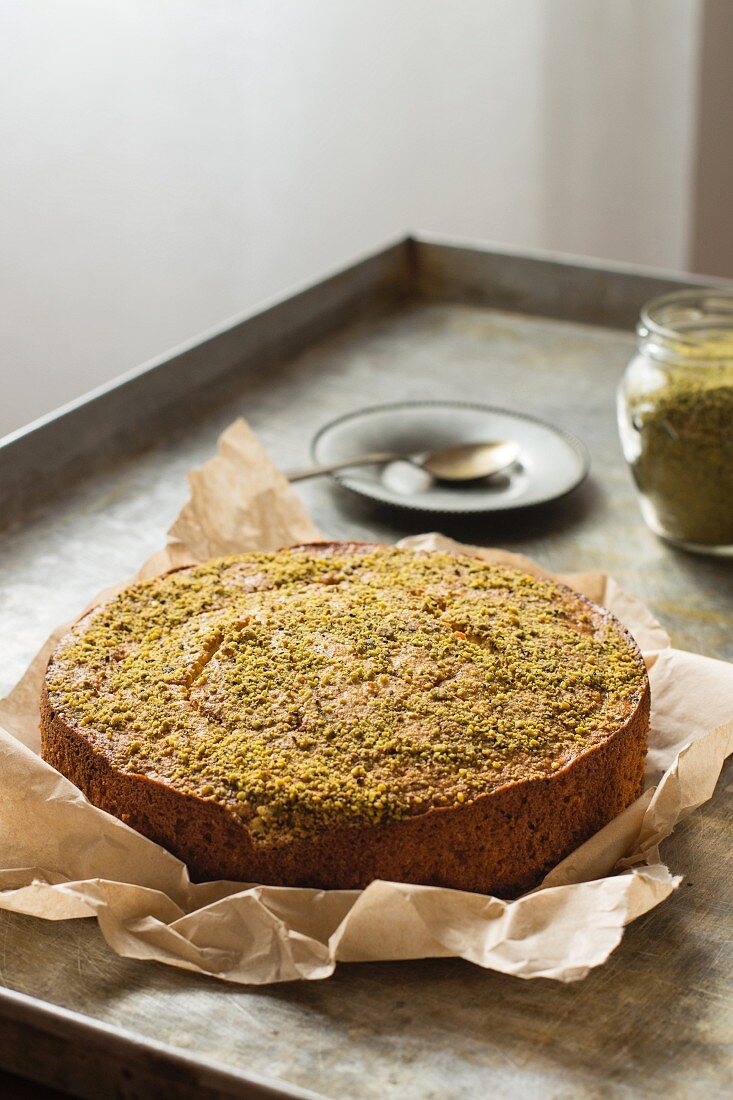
207, 656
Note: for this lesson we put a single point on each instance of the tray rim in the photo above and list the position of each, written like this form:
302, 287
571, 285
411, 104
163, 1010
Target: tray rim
122, 417
56, 1019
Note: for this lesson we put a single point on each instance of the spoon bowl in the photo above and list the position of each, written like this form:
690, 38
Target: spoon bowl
471, 461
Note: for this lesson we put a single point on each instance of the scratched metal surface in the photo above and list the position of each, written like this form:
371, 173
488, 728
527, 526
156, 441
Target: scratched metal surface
659, 1015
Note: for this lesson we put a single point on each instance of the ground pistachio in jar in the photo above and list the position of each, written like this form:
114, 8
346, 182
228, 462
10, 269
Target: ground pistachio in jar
676, 418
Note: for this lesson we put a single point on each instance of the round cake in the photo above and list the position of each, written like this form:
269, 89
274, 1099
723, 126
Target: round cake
330, 714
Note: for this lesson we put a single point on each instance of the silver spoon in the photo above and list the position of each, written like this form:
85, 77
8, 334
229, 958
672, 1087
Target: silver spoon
468, 462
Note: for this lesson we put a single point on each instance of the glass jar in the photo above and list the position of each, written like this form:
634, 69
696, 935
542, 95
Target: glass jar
675, 414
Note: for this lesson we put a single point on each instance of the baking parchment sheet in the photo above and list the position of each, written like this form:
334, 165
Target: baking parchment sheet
63, 858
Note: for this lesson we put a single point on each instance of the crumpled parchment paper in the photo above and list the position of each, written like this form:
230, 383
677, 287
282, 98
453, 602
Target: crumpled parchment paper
63, 858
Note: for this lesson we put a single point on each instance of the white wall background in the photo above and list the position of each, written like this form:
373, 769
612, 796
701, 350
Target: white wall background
167, 165
561, 124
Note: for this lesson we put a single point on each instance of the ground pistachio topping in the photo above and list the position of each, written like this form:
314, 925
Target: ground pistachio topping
684, 463
305, 691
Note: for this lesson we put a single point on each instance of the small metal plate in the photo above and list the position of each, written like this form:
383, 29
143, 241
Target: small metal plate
551, 464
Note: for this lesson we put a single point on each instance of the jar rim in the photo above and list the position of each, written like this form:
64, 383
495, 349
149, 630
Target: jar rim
699, 307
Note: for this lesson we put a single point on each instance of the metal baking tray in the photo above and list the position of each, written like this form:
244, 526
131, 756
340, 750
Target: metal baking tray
87, 493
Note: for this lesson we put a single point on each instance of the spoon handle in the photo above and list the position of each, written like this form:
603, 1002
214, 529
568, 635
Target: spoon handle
374, 458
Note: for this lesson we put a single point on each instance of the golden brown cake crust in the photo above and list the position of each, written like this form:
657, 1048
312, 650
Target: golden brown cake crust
497, 838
